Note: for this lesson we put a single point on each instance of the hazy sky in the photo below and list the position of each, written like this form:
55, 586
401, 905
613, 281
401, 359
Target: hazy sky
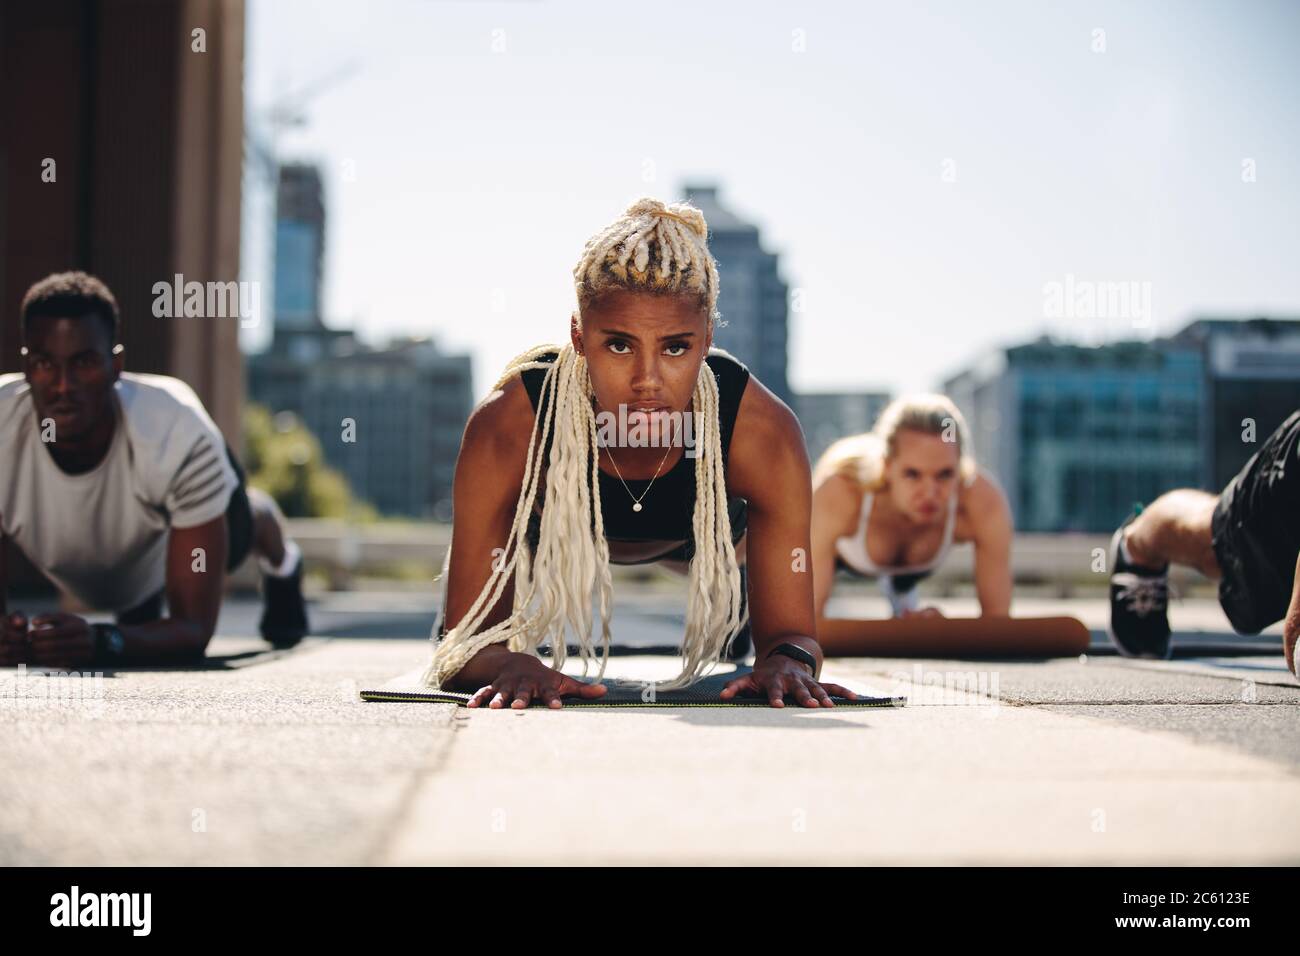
924, 170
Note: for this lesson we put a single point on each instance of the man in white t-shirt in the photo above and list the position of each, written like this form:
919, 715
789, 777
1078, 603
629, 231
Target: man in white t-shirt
121, 490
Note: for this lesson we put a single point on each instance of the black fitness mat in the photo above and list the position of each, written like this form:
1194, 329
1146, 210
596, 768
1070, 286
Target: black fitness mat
625, 693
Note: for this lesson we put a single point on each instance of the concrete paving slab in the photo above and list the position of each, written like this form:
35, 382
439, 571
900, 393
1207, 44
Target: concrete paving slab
1267, 732
966, 780
266, 765
280, 762
1106, 680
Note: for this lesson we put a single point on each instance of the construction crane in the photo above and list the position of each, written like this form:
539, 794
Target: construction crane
287, 112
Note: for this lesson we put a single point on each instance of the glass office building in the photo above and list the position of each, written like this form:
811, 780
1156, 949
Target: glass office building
1077, 435
1252, 375
407, 405
299, 247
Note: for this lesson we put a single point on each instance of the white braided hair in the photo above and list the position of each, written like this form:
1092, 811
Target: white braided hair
553, 589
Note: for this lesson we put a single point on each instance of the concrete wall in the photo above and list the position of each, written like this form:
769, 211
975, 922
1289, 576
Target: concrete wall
147, 137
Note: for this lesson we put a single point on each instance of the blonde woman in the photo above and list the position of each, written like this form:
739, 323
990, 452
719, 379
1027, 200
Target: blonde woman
890, 503
536, 468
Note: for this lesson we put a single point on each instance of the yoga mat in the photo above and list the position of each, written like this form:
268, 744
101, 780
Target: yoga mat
704, 693
960, 637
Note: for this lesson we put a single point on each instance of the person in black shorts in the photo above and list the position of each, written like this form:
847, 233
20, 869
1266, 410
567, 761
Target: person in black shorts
1247, 537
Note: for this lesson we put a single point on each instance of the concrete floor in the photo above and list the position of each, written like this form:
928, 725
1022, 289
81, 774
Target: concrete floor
270, 758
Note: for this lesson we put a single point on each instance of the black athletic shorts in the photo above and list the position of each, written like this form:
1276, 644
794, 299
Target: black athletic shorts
1256, 532
239, 533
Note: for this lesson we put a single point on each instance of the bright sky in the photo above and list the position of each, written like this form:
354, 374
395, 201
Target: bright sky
461, 183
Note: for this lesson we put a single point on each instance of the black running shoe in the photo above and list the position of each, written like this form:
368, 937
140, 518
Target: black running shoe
284, 612
1139, 605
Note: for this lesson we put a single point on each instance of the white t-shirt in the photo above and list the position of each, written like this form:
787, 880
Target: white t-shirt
102, 535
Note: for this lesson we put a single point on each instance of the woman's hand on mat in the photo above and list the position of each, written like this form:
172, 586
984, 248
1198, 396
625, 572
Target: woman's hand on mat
927, 612
523, 678
61, 640
779, 675
13, 640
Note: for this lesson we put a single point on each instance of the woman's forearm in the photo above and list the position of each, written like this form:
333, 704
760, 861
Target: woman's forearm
480, 669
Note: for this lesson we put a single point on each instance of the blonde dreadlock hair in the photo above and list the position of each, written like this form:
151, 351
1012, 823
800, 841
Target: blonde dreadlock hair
651, 248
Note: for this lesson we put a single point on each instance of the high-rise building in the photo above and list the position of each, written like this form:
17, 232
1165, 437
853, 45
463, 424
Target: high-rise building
1076, 435
752, 296
299, 247
389, 419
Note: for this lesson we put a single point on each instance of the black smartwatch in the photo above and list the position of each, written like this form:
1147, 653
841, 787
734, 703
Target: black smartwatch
799, 654
109, 644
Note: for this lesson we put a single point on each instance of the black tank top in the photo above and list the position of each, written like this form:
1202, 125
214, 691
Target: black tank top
670, 504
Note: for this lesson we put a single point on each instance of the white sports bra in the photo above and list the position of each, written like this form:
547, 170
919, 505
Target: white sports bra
853, 548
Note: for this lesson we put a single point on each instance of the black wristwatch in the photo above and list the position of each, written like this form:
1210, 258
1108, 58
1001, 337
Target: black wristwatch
798, 653
109, 644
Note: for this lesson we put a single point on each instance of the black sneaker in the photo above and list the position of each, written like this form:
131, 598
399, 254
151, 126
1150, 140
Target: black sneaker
1139, 605
284, 612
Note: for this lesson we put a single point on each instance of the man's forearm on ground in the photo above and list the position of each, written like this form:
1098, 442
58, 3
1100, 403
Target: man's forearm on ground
163, 641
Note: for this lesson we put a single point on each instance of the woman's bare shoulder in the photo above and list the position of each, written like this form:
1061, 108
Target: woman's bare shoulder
494, 448
767, 447
763, 420
503, 420
983, 499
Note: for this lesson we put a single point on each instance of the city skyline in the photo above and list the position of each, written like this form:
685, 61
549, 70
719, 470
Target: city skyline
918, 221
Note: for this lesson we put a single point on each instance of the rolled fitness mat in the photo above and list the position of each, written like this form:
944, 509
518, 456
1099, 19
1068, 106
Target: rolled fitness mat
961, 637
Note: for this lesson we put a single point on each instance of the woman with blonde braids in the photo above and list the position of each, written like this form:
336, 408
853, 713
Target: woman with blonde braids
890, 502
545, 499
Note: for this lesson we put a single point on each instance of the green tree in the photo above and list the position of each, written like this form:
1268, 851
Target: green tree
284, 459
